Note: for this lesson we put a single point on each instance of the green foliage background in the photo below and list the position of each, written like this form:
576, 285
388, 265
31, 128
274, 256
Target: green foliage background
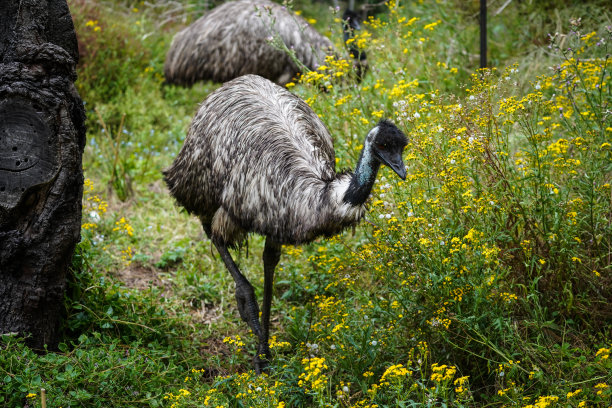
482, 280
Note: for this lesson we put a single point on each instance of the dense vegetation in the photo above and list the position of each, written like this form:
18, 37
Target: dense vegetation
484, 279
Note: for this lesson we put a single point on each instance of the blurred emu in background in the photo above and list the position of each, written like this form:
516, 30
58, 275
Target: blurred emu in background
241, 37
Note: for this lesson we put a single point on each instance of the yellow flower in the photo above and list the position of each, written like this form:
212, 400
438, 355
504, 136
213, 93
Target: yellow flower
601, 387
603, 353
431, 26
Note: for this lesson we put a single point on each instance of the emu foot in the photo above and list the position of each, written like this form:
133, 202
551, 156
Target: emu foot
261, 362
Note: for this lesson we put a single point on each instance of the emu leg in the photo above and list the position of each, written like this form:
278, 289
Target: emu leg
271, 256
245, 296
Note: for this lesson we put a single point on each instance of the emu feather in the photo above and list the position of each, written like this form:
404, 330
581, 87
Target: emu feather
258, 159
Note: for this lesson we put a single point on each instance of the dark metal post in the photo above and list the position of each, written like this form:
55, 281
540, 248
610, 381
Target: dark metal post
483, 33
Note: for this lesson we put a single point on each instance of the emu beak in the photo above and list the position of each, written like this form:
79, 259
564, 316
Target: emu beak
395, 162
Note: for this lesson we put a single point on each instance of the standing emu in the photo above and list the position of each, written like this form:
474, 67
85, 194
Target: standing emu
233, 39
258, 159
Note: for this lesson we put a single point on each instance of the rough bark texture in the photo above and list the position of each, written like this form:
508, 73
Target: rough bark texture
42, 136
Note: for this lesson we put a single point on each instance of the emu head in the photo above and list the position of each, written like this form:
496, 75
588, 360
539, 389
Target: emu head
388, 143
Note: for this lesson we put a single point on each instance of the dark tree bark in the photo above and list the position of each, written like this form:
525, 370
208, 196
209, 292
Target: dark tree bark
42, 136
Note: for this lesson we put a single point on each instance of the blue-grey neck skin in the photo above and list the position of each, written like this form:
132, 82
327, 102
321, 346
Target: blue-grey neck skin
363, 179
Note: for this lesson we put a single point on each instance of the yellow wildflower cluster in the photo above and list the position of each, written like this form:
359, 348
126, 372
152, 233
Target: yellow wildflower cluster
313, 377
256, 390
94, 25
93, 206
360, 40
442, 373
176, 399
440, 320
603, 353
124, 227
462, 385
601, 388
235, 341
544, 402
278, 344
333, 69
394, 373
126, 256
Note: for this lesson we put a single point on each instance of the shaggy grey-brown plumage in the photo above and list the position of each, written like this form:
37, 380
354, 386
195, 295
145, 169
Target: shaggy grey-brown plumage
233, 40
258, 159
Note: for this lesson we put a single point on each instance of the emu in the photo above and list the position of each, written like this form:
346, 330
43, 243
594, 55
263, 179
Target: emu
257, 159
233, 40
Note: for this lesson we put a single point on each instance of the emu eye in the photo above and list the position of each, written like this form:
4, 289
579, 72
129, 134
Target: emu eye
381, 146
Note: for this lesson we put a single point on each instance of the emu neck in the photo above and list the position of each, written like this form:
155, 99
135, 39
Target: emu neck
363, 179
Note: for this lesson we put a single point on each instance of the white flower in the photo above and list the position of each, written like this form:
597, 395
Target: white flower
94, 216
374, 342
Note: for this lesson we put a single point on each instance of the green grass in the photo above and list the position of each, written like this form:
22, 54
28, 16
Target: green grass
482, 280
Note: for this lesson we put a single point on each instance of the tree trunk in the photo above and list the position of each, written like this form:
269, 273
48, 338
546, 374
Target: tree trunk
42, 136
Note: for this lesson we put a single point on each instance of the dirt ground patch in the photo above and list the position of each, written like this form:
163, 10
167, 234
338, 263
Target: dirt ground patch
137, 276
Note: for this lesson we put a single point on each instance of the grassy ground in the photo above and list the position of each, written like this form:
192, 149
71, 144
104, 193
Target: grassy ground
482, 280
